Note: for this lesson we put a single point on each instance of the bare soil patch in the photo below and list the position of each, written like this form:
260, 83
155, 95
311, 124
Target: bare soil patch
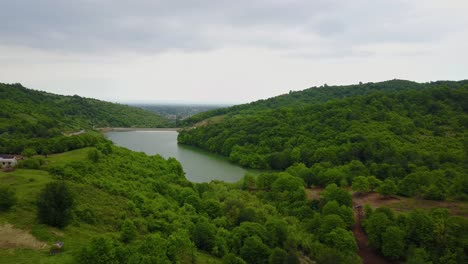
11, 237
404, 204
374, 199
313, 193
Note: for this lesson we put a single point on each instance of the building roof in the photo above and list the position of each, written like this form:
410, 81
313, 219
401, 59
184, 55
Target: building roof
8, 156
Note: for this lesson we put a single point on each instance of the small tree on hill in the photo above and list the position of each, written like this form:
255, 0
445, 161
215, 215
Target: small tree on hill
54, 204
7, 198
361, 184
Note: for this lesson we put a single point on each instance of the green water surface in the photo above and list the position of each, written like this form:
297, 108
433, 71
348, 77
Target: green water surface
199, 165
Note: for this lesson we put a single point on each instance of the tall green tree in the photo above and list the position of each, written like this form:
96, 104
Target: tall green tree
55, 204
333, 193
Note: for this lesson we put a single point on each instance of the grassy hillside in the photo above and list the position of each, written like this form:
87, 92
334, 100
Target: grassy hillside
416, 137
30, 118
104, 197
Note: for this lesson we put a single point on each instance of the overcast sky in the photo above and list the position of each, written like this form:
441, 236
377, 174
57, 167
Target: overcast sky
226, 51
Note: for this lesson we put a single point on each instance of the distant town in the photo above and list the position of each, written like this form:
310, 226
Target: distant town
178, 111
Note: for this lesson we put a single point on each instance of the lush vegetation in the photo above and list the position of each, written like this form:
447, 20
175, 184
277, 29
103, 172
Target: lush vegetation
131, 208
140, 209
112, 205
418, 236
414, 136
315, 95
45, 122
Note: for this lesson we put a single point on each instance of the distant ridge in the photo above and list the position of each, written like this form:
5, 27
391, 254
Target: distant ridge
30, 118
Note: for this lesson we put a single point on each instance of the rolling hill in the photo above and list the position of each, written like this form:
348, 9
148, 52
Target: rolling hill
30, 118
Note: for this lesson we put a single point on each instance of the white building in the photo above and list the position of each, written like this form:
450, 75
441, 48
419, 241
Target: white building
9, 160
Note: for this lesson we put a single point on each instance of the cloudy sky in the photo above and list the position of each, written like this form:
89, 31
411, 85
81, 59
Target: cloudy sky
226, 51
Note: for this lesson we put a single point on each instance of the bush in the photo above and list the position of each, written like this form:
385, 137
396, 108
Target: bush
54, 204
87, 215
94, 155
387, 188
33, 164
7, 198
29, 152
100, 250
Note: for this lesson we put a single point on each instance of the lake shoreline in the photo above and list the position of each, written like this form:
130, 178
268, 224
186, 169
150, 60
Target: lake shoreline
199, 165
126, 129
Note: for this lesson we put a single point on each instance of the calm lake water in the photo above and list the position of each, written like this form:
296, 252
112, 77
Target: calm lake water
199, 165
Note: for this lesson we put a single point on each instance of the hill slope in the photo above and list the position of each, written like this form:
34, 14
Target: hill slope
320, 94
27, 115
387, 134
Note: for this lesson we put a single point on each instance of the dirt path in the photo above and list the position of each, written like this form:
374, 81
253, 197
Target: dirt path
367, 254
397, 203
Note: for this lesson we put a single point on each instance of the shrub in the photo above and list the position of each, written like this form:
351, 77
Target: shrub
100, 250
33, 164
29, 152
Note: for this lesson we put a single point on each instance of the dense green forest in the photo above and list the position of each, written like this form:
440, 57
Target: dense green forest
30, 118
415, 137
315, 95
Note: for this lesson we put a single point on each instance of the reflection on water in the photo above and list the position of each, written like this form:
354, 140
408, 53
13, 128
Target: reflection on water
199, 165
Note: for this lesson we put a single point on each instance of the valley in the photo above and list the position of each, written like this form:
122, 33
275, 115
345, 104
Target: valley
273, 181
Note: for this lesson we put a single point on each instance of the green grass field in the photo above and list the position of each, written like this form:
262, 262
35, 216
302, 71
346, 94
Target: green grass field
28, 184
